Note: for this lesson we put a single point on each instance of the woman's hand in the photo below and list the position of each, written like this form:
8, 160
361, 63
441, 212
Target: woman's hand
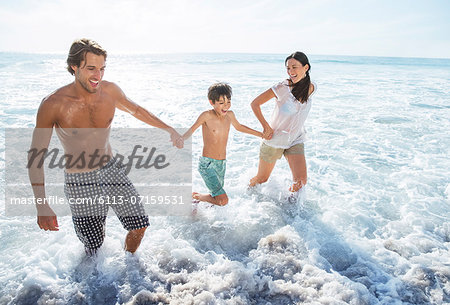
256, 107
267, 133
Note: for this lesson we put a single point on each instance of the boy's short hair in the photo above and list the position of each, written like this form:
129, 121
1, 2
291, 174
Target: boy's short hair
217, 90
78, 50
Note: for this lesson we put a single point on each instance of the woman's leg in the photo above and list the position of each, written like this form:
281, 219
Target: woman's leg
264, 171
297, 163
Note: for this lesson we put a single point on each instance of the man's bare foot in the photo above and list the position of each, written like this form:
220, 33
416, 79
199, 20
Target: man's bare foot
90, 252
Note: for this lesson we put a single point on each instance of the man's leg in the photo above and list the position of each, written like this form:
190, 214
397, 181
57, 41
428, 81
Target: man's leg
90, 231
130, 211
133, 239
88, 217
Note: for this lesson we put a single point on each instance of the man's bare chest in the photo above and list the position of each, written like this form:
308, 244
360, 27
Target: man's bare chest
87, 115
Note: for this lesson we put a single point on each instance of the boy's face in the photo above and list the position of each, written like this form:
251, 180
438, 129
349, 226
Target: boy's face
221, 106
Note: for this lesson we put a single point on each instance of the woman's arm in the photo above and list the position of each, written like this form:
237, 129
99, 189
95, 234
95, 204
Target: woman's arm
256, 107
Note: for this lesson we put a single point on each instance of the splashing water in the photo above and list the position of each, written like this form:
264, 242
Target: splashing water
373, 227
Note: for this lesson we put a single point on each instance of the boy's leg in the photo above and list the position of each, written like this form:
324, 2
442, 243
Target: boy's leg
213, 174
220, 200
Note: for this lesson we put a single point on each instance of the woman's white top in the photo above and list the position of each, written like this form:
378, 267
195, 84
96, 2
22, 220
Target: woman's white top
288, 117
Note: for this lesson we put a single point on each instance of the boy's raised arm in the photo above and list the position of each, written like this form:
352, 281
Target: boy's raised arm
200, 120
242, 128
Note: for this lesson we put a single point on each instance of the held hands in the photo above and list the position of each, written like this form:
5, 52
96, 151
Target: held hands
176, 139
267, 133
179, 142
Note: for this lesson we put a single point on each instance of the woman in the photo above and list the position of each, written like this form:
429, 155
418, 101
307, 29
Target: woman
286, 133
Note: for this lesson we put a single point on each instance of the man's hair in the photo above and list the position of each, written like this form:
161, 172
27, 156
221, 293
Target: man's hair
78, 50
217, 90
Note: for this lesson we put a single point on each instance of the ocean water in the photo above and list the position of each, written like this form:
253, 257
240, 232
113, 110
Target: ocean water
373, 226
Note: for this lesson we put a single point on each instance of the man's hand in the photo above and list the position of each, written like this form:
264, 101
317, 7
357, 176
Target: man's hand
176, 139
47, 220
180, 142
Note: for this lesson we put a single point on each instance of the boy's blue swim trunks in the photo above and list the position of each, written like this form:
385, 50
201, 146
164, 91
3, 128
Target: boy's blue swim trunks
213, 173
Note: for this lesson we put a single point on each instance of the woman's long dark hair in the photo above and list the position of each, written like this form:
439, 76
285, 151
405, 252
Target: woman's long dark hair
301, 89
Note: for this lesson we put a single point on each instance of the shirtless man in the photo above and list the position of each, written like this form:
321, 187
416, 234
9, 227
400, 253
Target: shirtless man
215, 128
81, 113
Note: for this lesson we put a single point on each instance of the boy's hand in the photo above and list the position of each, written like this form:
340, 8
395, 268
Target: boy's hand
179, 142
176, 139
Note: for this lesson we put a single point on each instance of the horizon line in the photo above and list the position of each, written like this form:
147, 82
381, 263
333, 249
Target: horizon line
236, 53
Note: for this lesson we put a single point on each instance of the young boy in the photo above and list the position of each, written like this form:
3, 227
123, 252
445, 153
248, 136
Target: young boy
215, 128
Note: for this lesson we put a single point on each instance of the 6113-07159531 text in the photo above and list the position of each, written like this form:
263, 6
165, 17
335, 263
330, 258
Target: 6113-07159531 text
106, 200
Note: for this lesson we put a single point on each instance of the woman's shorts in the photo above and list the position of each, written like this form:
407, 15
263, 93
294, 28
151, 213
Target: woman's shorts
272, 154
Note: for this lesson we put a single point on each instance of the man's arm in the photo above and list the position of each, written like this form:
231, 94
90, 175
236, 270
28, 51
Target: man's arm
242, 128
42, 134
200, 120
125, 104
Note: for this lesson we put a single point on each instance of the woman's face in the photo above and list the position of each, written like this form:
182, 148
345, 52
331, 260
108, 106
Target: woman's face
296, 70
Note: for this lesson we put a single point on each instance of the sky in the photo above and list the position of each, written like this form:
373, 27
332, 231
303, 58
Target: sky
398, 28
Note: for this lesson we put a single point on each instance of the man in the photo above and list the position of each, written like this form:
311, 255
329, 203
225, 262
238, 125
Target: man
81, 113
